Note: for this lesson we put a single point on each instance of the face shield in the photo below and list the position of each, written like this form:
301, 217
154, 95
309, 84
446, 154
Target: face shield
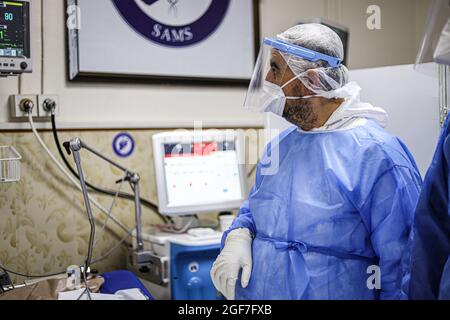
435, 45
274, 72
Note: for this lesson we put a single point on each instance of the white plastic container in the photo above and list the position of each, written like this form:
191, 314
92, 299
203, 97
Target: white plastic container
225, 222
73, 278
9, 164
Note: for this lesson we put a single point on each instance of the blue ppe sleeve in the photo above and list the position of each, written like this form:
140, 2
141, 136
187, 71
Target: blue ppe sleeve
243, 220
388, 212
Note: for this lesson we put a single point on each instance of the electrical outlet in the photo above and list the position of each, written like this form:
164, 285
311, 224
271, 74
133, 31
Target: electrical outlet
17, 104
44, 106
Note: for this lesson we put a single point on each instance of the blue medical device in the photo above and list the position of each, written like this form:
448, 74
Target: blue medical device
179, 265
190, 272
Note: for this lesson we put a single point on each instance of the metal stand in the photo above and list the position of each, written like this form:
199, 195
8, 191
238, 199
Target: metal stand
444, 98
75, 146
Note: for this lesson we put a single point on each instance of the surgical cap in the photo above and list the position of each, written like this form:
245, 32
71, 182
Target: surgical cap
322, 39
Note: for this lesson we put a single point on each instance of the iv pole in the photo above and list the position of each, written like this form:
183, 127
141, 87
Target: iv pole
75, 146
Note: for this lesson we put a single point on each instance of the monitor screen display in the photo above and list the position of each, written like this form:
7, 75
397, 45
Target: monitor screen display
201, 173
14, 29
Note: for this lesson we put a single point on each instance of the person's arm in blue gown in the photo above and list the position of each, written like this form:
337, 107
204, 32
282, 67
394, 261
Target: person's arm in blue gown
243, 220
389, 212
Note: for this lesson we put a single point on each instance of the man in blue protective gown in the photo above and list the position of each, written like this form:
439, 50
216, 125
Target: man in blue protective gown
430, 240
332, 221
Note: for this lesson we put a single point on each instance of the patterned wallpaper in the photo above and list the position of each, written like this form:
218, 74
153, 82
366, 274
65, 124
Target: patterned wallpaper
43, 224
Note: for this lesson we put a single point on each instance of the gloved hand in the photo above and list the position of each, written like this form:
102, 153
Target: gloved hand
236, 255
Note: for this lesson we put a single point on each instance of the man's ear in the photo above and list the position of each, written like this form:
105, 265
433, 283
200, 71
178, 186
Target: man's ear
313, 77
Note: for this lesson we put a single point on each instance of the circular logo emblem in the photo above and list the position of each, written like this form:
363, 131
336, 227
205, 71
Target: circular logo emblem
123, 145
173, 23
194, 267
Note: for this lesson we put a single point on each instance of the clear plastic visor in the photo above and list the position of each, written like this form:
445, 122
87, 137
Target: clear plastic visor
435, 47
271, 69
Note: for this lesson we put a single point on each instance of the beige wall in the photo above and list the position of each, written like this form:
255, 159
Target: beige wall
42, 222
155, 106
394, 44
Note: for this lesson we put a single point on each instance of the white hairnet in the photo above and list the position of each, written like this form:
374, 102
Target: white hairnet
321, 39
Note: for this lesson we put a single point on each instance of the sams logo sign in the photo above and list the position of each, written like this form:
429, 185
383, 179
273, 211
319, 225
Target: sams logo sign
173, 23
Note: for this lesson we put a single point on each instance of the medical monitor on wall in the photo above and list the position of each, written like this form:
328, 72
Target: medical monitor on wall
15, 48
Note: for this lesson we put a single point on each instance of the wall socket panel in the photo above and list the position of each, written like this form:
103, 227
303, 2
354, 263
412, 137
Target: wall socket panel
42, 114
39, 114
16, 112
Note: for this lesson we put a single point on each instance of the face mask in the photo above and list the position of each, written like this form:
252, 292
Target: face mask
278, 99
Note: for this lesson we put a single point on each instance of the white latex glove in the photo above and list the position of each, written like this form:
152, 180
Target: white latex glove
236, 255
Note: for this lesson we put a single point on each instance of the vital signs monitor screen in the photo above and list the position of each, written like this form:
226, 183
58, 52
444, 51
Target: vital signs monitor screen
14, 29
201, 173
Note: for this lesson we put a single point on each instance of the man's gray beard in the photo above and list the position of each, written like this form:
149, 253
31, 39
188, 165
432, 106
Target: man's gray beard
301, 114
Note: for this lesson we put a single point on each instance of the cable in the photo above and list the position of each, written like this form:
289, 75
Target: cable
74, 182
252, 171
122, 195
171, 229
110, 252
102, 231
42, 48
31, 276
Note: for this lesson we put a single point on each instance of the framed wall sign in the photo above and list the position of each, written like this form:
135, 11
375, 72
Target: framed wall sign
166, 39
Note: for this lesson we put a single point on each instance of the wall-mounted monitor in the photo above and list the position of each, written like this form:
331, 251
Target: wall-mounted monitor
15, 47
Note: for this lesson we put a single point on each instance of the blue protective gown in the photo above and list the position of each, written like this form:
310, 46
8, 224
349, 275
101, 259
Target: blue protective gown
340, 202
430, 259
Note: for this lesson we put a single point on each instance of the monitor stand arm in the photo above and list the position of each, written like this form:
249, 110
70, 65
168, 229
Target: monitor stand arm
75, 146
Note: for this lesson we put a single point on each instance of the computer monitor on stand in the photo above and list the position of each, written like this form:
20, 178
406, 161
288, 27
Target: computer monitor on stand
199, 172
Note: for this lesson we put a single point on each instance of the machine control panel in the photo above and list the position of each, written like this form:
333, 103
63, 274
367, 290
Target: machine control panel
15, 44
